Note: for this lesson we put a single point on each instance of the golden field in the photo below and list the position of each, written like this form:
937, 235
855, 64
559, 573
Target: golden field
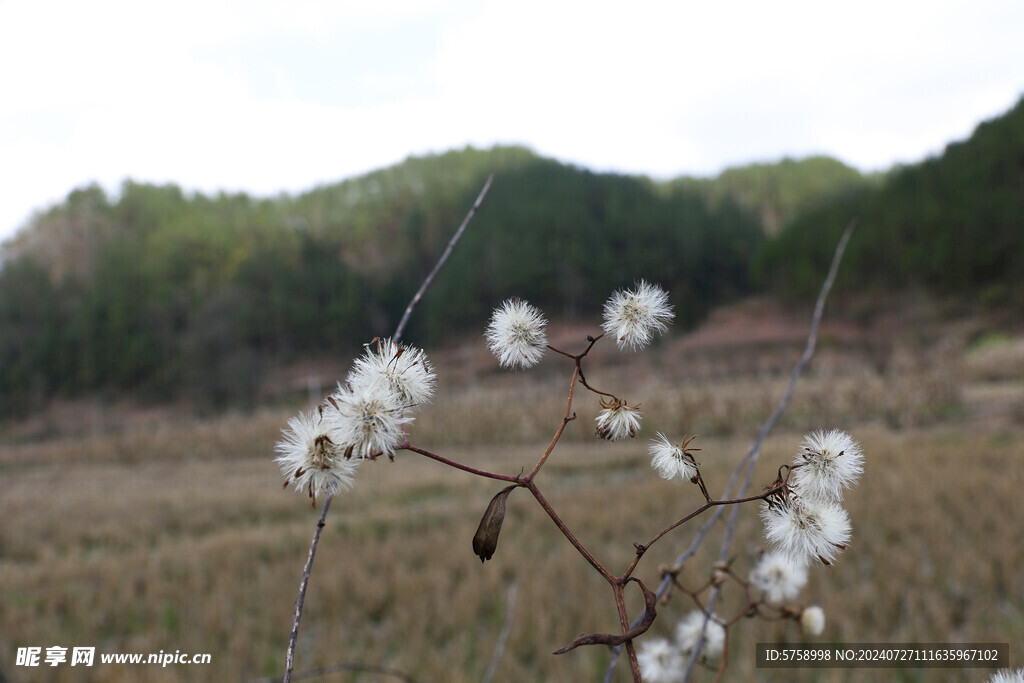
160, 531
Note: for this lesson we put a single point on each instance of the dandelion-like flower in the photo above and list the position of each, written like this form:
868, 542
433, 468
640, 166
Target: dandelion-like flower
688, 631
806, 528
405, 369
660, 661
828, 463
671, 460
369, 419
632, 316
778, 577
1007, 676
812, 621
312, 455
516, 334
617, 420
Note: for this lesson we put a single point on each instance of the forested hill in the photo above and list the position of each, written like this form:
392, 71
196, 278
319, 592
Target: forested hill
167, 294
953, 225
781, 191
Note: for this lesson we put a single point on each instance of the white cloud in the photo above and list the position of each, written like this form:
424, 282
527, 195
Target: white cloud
269, 96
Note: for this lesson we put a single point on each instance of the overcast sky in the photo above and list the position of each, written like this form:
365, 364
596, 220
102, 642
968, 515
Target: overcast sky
280, 96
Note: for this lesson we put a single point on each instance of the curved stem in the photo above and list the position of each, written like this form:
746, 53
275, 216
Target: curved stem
641, 549
515, 479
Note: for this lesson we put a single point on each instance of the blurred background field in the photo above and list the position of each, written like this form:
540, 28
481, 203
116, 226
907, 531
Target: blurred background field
164, 531
155, 340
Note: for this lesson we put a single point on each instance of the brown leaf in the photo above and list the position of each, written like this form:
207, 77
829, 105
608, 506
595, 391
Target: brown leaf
486, 538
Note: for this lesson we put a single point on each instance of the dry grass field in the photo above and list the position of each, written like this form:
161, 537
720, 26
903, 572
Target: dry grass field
171, 533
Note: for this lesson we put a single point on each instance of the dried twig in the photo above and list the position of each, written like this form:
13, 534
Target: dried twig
289, 660
499, 648
441, 261
752, 455
290, 655
750, 460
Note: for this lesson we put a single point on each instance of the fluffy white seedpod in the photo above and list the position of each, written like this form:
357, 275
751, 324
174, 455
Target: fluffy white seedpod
778, 577
812, 621
806, 528
688, 631
828, 463
633, 315
369, 419
617, 420
660, 661
671, 460
516, 334
311, 455
404, 369
1007, 676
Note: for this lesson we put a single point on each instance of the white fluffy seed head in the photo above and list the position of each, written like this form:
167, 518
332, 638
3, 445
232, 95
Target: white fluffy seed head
1007, 676
617, 420
660, 661
516, 334
404, 369
805, 528
812, 621
670, 460
633, 315
311, 455
778, 577
369, 419
828, 462
688, 631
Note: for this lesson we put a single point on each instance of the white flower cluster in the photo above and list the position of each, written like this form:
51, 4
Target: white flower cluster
364, 418
671, 460
664, 660
806, 521
517, 338
632, 315
778, 577
617, 420
516, 334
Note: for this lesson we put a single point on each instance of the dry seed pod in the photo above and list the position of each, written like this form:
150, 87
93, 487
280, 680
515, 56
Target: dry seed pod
486, 538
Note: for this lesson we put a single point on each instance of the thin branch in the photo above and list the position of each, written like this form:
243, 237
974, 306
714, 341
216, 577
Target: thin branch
569, 535
755, 450
441, 261
499, 648
290, 655
566, 419
289, 660
748, 460
459, 466
641, 549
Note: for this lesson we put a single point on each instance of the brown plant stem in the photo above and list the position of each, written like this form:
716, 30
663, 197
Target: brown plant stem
441, 261
289, 660
515, 479
747, 462
566, 419
755, 451
569, 536
304, 582
641, 549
